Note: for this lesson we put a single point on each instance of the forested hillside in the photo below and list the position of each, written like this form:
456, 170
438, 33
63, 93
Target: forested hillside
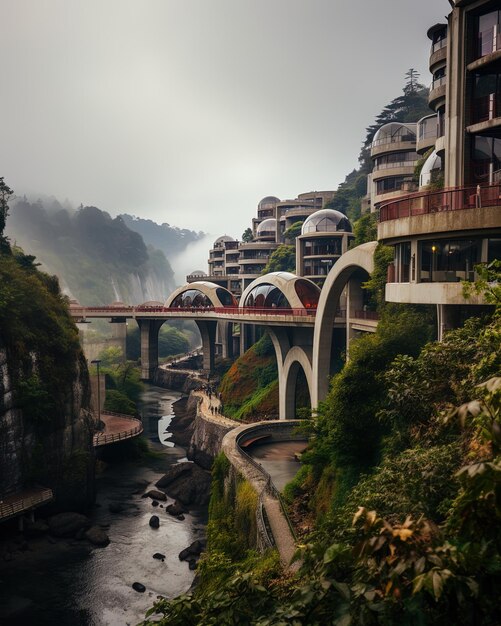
97, 258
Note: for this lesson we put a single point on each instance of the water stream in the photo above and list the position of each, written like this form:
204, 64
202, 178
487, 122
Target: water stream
70, 583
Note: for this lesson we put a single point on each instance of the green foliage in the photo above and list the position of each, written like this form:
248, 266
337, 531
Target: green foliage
283, 259
171, 342
488, 283
365, 229
5, 194
247, 235
383, 256
111, 356
294, 231
119, 403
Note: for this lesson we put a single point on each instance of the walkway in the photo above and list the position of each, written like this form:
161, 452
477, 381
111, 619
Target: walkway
117, 428
23, 501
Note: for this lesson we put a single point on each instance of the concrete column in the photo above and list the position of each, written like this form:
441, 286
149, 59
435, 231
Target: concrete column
354, 302
446, 319
119, 333
208, 333
226, 336
246, 337
149, 346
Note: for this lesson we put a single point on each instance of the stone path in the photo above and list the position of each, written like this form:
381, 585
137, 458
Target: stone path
117, 428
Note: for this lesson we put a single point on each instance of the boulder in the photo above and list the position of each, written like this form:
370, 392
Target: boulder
154, 494
181, 517
67, 524
138, 587
192, 564
175, 509
159, 556
154, 521
187, 483
154, 503
195, 549
97, 536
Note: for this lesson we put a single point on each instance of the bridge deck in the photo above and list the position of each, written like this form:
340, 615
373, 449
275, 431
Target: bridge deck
26, 500
117, 428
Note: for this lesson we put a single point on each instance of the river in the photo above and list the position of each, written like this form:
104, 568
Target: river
69, 583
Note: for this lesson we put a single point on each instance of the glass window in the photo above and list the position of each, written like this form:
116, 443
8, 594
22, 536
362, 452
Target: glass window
193, 298
307, 293
494, 250
402, 262
489, 33
266, 296
448, 261
486, 158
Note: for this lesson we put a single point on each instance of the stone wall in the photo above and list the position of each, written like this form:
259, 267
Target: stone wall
207, 438
181, 380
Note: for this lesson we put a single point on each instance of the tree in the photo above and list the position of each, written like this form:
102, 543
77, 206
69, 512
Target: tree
412, 84
247, 235
283, 259
294, 231
5, 193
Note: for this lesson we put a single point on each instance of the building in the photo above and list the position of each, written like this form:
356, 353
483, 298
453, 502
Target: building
325, 236
452, 224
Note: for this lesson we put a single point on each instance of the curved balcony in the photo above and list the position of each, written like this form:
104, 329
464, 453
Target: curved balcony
393, 144
437, 92
438, 54
387, 170
427, 132
445, 211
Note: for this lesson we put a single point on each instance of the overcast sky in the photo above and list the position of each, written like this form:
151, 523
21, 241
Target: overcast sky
190, 111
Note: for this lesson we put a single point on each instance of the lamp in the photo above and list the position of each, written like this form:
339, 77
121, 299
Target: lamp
96, 362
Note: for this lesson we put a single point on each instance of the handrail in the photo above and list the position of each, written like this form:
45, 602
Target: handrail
270, 487
103, 438
451, 199
18, 506
231, 310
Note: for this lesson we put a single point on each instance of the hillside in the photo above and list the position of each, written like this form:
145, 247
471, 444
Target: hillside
97, 258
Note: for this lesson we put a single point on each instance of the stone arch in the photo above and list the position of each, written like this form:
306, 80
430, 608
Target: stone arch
295, 359
361, 257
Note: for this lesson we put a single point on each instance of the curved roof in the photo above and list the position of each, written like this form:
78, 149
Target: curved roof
326, 221
266, 226
198, 273
268, 200
393, 129
204, 286
285, 281
224, 238
433, 162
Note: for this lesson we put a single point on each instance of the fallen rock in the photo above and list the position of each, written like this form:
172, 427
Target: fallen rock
154, 503
159, 556
175, 509
187, 483
181, 517
138, 587
67, 524
154, 494
195, 549
154, 521
97, 536
192, 563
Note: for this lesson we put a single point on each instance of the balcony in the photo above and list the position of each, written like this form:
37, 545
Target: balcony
427, 133
437, 91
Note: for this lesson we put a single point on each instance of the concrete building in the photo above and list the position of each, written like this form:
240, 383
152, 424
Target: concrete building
440, 234
325, 236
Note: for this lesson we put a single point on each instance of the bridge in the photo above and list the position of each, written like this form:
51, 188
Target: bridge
307, 325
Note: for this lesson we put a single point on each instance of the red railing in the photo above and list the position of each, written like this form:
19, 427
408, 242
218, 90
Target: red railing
454, 199
250, 310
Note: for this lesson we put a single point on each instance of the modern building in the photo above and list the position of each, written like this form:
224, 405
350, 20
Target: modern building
325, 236
442, 232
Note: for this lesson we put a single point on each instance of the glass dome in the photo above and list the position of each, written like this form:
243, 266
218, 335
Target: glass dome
266, 295
326, 221
431, 168
268, 201
267, 226
394, 132
221, 240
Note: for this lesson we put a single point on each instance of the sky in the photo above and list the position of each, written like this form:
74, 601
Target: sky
190, 111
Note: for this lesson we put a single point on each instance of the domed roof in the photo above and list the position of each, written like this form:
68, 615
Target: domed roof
433, 162
394, 130
198, 273
266, 226
326, 221
224, 238
268, 200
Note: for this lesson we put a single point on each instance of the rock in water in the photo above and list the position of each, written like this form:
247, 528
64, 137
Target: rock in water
97, 536
67, 524
138, 587
154, 494
154, 503
175, 509
159, 556
187, 483
154, 521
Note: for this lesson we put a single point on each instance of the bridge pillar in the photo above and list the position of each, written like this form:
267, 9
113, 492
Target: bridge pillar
208, 333
247, 337
354, 303
226, 335
149, 346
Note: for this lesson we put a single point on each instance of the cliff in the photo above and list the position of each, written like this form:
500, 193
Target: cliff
45, 426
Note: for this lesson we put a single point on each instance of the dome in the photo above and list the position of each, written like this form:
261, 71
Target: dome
326, 221
267, 226
197, 273
268, 200
431, 167
223, 238
394, 132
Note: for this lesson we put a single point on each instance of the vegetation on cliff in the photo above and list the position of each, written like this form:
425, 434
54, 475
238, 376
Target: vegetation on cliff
98, 258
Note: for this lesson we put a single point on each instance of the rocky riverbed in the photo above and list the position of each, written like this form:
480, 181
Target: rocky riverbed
53, 579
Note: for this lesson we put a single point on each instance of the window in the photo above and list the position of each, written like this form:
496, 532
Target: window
489, 33
395, 183
448, 261
486, 158
486, 97
402, 262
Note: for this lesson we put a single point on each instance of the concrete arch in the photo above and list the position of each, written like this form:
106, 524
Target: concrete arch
285, 281
206, 287
296, 358
361, 257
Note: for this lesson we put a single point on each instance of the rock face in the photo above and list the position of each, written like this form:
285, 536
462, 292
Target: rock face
187, 483
206, 440
67, 524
